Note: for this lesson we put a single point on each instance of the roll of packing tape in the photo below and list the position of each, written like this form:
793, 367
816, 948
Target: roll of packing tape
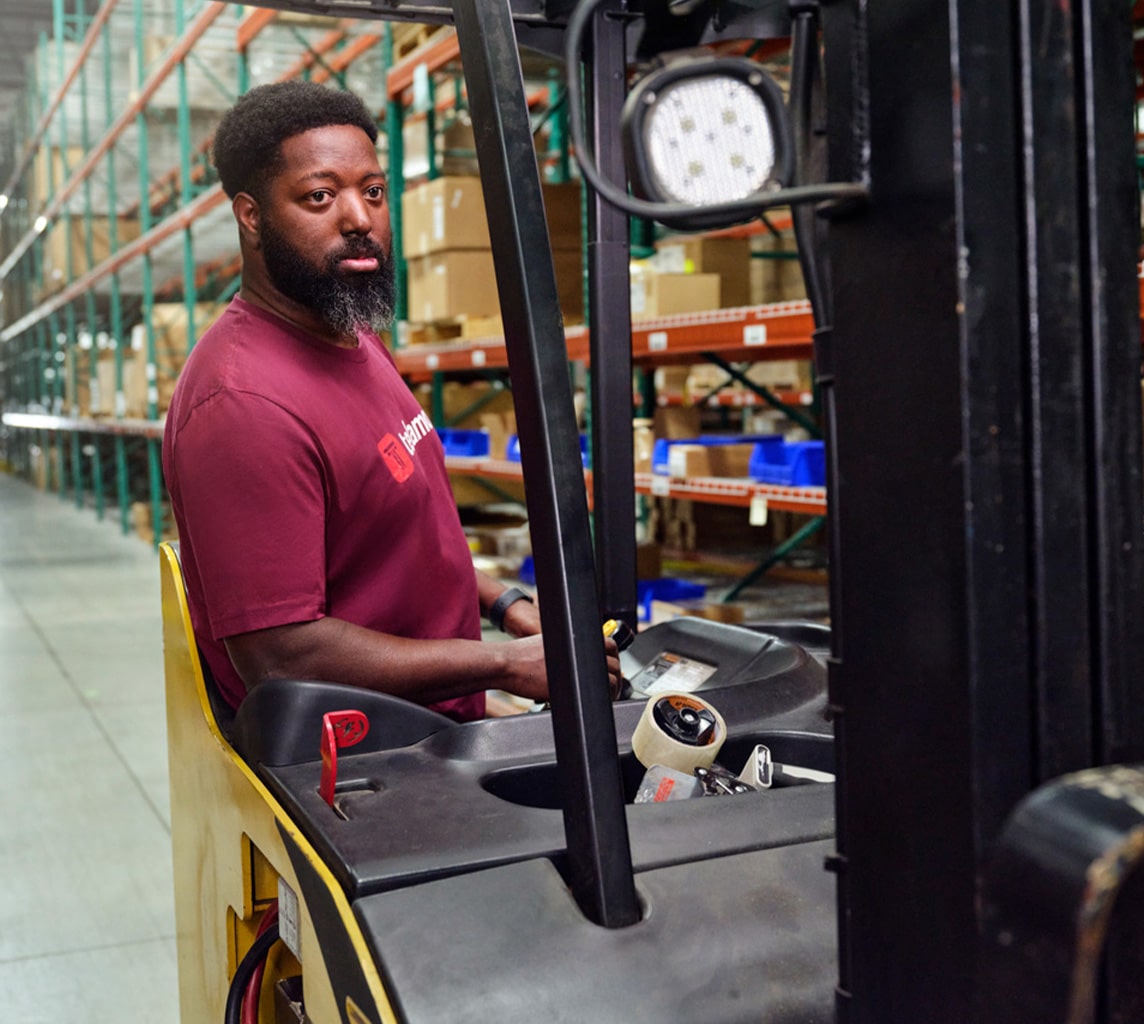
680, 731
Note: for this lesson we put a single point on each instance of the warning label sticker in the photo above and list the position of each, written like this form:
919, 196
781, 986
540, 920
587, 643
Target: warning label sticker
671, 671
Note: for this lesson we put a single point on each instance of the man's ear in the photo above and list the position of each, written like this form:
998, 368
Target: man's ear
249, 217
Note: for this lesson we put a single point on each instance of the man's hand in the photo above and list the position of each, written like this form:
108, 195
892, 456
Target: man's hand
527, 675
522, 618
615, 676
530, 677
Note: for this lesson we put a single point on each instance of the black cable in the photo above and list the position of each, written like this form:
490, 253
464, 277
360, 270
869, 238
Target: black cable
254, 956
743, 209
803, 77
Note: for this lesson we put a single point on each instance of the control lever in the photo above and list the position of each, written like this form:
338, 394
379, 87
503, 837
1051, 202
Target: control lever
339, 729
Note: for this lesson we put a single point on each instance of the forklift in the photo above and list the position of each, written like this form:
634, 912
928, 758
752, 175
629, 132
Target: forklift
962, 840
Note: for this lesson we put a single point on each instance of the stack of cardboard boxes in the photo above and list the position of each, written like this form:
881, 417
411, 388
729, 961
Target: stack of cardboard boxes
67, 236
98, 395
445, 239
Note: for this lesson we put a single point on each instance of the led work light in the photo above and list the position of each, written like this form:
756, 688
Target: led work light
702, 130
708, 141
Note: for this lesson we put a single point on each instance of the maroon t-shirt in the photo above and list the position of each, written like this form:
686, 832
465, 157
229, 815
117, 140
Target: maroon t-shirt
307, 481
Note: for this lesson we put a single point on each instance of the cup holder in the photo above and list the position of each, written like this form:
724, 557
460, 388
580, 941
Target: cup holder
538, 785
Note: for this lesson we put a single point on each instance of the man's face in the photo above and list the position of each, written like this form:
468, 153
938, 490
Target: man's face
324, 231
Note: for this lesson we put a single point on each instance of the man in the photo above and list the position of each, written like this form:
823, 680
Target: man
319, 537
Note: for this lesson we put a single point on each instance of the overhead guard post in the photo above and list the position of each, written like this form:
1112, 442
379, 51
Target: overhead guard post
599, 854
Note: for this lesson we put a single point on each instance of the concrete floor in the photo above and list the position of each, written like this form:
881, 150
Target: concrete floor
86, 912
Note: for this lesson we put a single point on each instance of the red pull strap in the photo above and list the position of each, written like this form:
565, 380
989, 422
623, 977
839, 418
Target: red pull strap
339, 729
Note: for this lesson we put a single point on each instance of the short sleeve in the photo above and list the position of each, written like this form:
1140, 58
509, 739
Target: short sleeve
248, 479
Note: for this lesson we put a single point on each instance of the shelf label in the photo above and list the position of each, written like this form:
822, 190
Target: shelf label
657, 341
432, 362
661, 486
755, 334
479, 357
758, 510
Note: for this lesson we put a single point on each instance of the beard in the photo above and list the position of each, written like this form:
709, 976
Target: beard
344, 302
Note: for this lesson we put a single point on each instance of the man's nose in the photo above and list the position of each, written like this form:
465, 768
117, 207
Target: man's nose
355, 214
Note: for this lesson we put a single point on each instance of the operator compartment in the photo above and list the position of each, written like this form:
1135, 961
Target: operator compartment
442, 799
446, 838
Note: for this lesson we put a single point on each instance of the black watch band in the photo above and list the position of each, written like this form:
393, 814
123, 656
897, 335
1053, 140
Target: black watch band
501, 604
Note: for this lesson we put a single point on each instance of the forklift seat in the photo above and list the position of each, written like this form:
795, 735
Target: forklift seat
279, 721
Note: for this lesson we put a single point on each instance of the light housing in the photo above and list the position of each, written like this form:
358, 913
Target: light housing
704, 131
674, 68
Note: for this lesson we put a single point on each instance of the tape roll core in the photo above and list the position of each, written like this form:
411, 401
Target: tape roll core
680, 731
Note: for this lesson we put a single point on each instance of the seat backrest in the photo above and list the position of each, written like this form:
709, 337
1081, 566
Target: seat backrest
180, 644
279, 721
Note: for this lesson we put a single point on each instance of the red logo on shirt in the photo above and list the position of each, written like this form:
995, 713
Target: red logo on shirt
397, 460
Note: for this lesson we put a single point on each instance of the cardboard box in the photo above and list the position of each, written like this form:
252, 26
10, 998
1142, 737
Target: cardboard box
676, 422
141, 380
569, 267
656, 294
685, 461
459, 402
649, 560
468, 491
730, 258
671, 380
77, 389
103, 393
44, 464
776, 280
716, 611
462, 282
450, 284
729, 460
59, 241
142, 520
500, 426
783, 374
458, 156
449, 213
49, 173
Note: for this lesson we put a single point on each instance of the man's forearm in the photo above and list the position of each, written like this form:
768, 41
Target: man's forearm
424, 671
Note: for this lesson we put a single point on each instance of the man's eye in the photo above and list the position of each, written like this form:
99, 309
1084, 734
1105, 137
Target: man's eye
375, 192
321, 195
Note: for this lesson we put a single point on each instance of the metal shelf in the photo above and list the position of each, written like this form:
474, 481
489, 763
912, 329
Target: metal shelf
84, 425
740, 493
779, 330
712, 490
737, 399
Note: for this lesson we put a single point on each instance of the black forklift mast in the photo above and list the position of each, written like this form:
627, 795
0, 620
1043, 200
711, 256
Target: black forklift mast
983, 354
986, 492
599, 855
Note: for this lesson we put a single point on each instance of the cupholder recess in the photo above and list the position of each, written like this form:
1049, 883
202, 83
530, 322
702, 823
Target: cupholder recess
538, 785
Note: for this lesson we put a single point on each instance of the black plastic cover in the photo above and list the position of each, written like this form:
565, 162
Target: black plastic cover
746, 938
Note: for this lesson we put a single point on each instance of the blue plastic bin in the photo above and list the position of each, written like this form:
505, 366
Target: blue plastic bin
667, 588
464, 442
792, 464
512, 449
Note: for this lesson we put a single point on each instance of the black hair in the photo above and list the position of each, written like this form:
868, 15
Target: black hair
248, 142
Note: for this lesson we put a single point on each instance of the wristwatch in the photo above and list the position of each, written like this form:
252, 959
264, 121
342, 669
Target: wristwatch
501, 605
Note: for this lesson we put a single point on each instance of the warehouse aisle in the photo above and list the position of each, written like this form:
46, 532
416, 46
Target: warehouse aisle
86, 911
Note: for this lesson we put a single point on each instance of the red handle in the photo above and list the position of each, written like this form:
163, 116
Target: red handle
339, 729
